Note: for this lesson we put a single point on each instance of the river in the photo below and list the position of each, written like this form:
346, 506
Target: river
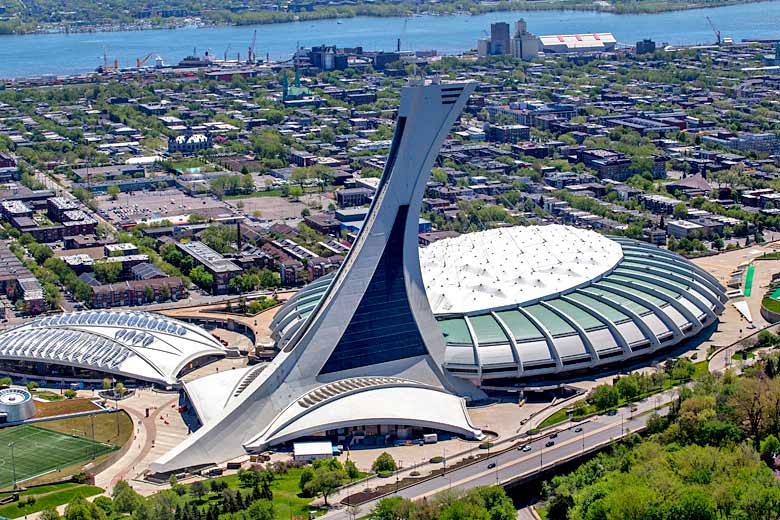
39, 54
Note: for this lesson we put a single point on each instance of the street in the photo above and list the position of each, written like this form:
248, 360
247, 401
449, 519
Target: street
514, 464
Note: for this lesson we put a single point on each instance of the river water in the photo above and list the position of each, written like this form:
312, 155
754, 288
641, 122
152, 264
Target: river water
39, 54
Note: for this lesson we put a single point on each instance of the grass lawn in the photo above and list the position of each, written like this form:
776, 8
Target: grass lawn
64, 406
49, 497
287, 503
699, 369
105, 427
737, 356
771, 305
56, 449
48, 396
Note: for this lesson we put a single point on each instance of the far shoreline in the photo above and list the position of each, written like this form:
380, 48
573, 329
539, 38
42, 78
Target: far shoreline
371, 11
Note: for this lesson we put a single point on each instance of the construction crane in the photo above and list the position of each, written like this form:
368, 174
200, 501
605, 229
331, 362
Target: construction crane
106, 67
715, 30
250, 58
226, 51
140, 61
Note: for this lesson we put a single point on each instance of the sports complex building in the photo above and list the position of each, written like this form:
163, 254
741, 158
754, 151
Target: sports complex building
85, 347
532, 302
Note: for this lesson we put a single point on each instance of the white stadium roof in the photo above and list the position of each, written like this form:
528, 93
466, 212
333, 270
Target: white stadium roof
139, 345
511, 266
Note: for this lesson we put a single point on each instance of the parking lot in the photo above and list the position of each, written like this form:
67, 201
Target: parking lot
139, 206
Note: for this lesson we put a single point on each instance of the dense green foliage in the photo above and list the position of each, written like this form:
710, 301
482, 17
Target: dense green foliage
710, 458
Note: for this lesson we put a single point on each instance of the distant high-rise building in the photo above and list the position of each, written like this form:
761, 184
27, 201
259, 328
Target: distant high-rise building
524, 45
499, 38
645, 46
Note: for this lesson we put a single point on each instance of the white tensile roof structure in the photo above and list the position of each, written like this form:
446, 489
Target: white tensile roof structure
510, 266
139, 345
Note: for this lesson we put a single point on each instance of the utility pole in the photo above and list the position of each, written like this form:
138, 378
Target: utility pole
13, 462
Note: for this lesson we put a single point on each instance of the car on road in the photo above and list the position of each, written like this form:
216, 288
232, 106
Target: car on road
578, 429
525, 448
491, 465
549, 443
554, 435
612, 412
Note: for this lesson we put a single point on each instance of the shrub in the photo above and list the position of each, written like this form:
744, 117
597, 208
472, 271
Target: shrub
384, 463
70, 394
437, 459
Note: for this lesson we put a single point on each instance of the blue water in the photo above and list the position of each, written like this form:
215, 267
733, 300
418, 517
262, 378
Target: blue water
32, 55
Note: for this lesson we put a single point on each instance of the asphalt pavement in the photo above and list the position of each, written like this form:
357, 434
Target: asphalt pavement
514, 464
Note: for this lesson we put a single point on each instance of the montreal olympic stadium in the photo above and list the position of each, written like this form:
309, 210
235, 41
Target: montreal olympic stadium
399, 339
534, 301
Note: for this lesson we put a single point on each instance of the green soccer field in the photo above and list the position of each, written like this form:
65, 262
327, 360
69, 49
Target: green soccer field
38, 451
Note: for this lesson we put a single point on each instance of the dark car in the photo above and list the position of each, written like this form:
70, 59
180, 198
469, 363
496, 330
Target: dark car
549, 443
491, 465
612, 412
578, 429
554, 435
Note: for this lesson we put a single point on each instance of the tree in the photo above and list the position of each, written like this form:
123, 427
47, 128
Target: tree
106, 383
307, 475
5, 381
49, 514
384, 463
107, 272
680, 211
32, 386
126, 499
391, 508
113, 191
80, 509
627, 387
604, 397
70, 393
352, 471
770, 448
40, 252
260, 510
198, 489
202, 278
149, 294
105, 503
325, 481
119, 389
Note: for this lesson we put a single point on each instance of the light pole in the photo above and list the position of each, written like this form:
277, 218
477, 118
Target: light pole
13, 462
541, 458
621, 423
583, 440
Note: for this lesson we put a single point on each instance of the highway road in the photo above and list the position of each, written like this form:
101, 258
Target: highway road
514, 464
